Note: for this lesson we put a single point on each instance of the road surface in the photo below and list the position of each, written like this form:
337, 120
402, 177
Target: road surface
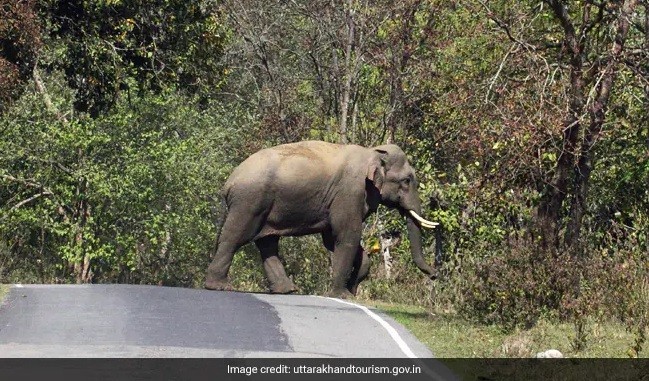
149, 321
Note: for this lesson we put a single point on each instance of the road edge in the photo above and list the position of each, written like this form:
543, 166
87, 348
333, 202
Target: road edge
387, 326
440, 371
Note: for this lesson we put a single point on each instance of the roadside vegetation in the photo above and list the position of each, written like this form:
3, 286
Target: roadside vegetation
4, 289
449, 335
526, 122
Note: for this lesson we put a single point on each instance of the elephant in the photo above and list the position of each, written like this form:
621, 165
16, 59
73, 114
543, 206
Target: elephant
314, 187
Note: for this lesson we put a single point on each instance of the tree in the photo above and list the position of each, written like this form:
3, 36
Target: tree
102, 67
330, 70
106, 47
20, 42
576, 53
592, 77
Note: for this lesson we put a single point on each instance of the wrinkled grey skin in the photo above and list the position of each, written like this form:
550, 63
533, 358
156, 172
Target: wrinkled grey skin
314, 187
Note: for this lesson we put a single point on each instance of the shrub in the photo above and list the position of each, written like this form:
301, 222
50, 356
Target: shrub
515, 287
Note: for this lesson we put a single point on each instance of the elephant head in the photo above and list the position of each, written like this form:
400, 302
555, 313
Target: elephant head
395, 180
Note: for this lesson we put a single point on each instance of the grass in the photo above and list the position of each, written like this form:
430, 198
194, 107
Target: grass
450, 336
4, 290
453, 339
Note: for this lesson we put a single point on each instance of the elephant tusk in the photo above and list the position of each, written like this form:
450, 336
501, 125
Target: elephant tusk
423, 222
429, 226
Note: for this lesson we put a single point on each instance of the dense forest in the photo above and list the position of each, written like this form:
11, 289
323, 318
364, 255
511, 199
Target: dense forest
527, 123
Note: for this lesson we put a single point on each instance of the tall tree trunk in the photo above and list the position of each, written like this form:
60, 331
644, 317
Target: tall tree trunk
549, 211
400, 60
386, 244
82, 263
348, 74
576, 160
597, 114
646, 48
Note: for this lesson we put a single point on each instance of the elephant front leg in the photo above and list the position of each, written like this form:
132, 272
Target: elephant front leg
278, 281
360, 270
342, 264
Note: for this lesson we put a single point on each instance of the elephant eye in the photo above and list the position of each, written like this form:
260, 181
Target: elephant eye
406, 181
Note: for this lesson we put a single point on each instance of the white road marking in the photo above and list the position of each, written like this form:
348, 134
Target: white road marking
18, 285
397, 338
393, 332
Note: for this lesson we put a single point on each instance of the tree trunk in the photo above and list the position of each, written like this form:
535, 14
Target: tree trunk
40, 88
646, 47
576, 160
549, 212
82, 263
347, 77
386, 244
597, 114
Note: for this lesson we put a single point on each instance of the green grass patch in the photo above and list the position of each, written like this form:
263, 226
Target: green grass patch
450, 336
4, 290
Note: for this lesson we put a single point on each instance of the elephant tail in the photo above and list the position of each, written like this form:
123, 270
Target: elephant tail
221, 213
221, 219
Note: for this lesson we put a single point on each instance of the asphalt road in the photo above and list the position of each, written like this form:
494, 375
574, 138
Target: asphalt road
149, 321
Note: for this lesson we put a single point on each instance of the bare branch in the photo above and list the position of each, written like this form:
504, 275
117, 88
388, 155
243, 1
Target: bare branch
500, 68
34, 197
505, 27
27, 182
40, 87
589, 24
62, 208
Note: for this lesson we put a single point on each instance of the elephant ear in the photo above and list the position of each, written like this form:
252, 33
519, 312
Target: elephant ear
376, 169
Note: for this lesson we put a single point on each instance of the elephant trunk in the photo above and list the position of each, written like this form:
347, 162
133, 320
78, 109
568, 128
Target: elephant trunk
414, 235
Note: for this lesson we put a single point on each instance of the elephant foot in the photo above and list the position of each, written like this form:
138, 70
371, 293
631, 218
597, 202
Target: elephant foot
286, 287
340, 294
353, 290
218, 285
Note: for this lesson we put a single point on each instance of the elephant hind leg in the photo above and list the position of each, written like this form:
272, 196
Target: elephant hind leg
279, 282
238, 229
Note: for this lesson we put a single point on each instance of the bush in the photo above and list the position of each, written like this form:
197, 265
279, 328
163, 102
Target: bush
124, 197
522, 283
517, 286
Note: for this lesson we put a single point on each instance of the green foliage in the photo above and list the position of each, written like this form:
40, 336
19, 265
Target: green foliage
246, 272
20, 42
308, 263
107, 47
131, 192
